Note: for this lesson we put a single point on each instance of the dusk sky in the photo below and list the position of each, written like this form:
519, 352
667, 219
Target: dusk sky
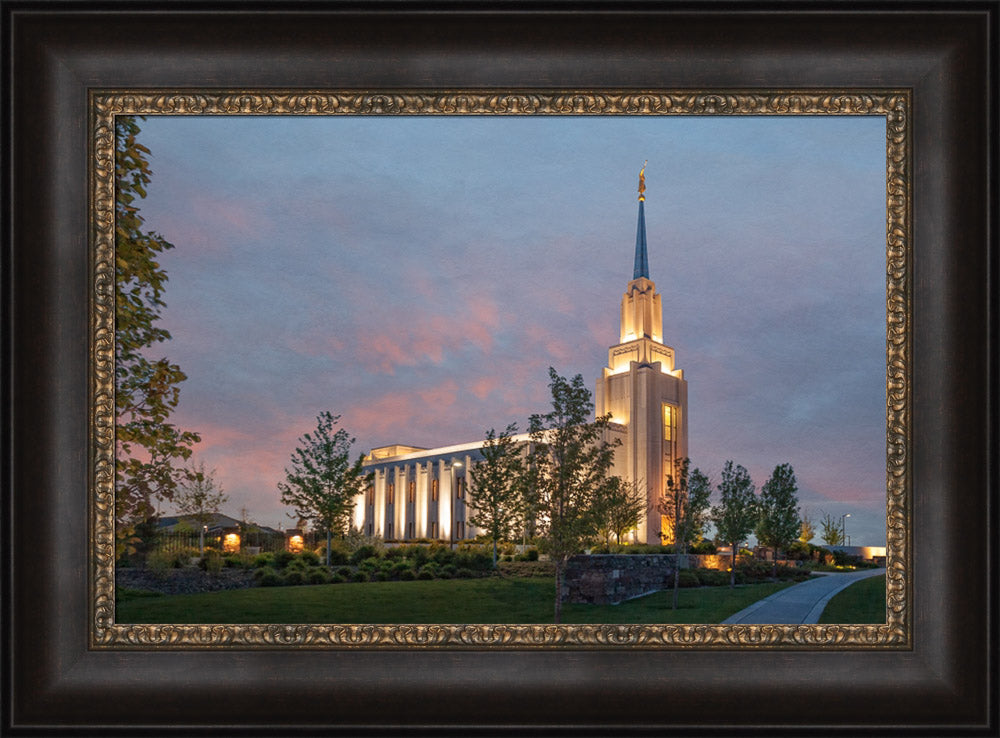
418, 276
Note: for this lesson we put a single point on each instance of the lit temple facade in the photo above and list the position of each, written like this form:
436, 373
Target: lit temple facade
423, 493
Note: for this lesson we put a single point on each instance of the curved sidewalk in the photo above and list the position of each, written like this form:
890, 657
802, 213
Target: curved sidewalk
800, 603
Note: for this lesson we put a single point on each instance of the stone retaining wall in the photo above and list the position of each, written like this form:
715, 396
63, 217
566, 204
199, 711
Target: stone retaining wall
604, 579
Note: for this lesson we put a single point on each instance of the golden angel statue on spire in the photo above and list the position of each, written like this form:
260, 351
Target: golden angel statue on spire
642, 181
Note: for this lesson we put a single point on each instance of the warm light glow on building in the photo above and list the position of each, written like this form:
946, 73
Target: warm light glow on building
296, 543
231, 543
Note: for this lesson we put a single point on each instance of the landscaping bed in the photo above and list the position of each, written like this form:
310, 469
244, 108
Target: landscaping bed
189, 580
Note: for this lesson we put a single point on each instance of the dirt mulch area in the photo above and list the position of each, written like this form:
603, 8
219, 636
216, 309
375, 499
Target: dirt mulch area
184, 581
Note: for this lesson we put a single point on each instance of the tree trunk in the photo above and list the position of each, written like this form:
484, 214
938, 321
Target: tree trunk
559, 578
329, 538
732, 571
494, 553
201, 540
774, 569
677, 578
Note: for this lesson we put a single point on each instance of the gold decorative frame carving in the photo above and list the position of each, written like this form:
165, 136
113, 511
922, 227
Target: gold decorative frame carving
894, 105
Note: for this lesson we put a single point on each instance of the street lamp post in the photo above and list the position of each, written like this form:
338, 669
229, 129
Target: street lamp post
843, 527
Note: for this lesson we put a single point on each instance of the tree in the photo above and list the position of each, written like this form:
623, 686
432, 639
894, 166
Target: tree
736, 513
201, 497
833, 533
778, 523
496, 502
807, 530
322, 482
147, 446
569, 461
686, 502
620, 509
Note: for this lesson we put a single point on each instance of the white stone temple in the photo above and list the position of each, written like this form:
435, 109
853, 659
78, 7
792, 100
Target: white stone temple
422, 493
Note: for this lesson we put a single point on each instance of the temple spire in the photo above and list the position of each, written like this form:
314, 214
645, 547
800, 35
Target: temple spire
641, 268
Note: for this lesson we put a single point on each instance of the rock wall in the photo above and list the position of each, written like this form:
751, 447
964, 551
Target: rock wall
607, 579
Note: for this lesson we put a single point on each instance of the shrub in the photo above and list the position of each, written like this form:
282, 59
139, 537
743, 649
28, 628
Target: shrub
381, 576
282, 559
158, 562
447, 571
267, 577
294, 576
317, 576
424, 573
687, 578
339, 553
338, 579
262, 560
712, 577
394, 553
360, 576
506, 557
310, 558
442, 555
365, 551
370, 564
399, 567
407, 575
704, 548
531, 554
345, 571
473, 558
211, 561
297, 564
464, 573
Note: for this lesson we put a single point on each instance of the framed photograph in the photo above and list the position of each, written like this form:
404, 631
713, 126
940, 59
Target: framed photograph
571, 78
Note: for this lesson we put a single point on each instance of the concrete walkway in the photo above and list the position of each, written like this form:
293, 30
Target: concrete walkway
800, 603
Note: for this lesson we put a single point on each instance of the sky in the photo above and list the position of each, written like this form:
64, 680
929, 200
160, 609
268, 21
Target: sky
418, 276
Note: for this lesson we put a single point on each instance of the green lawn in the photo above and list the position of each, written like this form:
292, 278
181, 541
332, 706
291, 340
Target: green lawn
492, 600
862, 602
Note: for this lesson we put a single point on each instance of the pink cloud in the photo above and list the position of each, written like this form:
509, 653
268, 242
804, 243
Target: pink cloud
416, 336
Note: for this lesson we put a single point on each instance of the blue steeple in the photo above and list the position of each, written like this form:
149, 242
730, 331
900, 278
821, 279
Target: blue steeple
641, 257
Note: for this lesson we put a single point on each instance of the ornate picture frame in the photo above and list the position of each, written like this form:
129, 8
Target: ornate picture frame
893, 105
69, 669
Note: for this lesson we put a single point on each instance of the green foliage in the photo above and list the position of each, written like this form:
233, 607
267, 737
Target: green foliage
736, 513
363, 552
778, 522
293, 576
687, 578
567, 471
703, 548
620, 509
317, 576
148, 447
267, 578
530, 554
497, 504
807, 529
309, 558
211, 560
833, 531
281, 559
322, 482
712, 577
407, 575
263, 559
199, 496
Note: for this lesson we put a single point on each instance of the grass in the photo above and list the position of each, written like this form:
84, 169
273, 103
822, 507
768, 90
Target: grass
862, 602
492, 600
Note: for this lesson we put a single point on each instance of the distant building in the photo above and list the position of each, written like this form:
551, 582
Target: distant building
422, 493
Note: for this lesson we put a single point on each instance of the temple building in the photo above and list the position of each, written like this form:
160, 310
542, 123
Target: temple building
423, 493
